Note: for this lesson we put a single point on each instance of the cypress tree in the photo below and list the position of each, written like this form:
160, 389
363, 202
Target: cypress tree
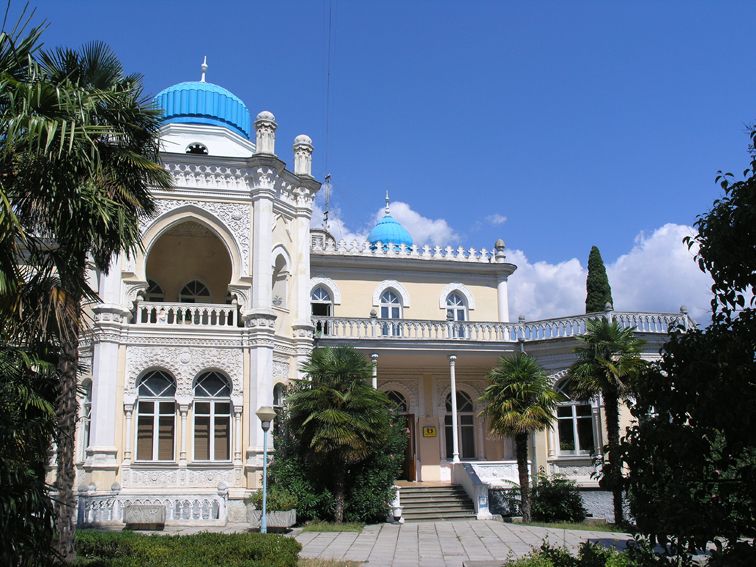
598, 290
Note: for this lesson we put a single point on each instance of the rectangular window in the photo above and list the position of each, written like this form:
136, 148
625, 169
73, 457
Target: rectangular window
155, 431
145, 432
575, 429
222, 438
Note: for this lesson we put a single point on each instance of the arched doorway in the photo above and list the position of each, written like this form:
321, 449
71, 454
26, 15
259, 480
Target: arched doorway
189, 263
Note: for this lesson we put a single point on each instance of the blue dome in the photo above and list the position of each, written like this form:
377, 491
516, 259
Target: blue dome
196, 102
388, 230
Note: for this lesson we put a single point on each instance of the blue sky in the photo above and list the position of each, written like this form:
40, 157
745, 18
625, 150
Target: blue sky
579, 122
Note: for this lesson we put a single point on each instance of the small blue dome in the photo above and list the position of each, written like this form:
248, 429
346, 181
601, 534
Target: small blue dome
197, 102
388, 230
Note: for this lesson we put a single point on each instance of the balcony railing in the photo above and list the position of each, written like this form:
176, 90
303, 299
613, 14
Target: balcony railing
427, 330
196, 314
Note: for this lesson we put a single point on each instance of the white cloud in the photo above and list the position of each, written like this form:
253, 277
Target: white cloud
496, 219
336, 225
423, 230
541, 290
657, 274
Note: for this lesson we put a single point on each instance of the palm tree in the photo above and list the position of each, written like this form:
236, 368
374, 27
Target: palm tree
519, 400
607, 358
339, 417
79, 157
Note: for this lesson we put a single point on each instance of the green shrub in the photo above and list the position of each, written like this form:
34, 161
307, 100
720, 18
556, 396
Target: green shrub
369, 483
125, 549
556, 499
278, 499
589, 555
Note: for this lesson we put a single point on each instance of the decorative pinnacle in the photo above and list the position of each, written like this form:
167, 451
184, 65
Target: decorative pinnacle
387, 202
204, 69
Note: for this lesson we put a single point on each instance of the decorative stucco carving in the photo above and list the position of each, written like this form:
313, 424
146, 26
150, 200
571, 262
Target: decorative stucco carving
208, 176
157, 478
407, 390
234, 216
185, 363
330, 285
458, 287
395, 285
280, 370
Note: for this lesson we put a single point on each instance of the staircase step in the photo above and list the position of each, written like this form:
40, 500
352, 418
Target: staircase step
425, 503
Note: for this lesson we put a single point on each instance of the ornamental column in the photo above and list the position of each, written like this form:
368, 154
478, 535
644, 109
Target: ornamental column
304, 194
259, 318
455, 434
374, 361
109, 317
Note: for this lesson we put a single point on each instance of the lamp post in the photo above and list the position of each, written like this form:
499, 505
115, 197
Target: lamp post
266, 415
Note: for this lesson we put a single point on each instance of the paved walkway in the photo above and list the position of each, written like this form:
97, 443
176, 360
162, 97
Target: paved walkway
444, 544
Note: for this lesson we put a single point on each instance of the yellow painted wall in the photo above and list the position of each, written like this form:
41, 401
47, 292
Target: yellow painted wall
358, 286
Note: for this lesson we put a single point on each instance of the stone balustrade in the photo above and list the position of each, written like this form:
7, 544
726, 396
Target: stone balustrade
390, 250
186, 508
195, 314
427, 330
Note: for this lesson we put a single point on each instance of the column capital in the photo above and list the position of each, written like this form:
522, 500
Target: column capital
374, 356
452, 358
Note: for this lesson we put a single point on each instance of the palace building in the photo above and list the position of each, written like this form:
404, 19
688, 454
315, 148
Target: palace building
233, 290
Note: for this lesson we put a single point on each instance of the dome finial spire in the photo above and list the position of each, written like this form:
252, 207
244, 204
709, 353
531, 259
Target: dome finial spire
387, 202
204, 69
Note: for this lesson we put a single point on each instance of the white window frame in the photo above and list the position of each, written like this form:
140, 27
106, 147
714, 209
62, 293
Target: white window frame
447, 401
453, 311
157, 401
185, 297
563, 388
389, 328
212, 401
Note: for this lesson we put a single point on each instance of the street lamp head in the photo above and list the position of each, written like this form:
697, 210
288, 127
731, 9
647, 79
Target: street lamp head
266, 415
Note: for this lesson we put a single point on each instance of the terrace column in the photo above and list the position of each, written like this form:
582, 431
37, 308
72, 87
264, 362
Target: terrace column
374, 361
453, 379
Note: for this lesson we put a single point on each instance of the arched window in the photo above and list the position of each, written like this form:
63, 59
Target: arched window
321, 302
194, 292
280, 281
456, 310
322, 306
156, 417
465, 427
399, 401
86, 419
196, 148
574, 423
154, 292
391, 308
279, 391
212, 417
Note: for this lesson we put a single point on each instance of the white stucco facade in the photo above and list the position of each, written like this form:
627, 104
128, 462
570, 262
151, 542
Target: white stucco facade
231, 293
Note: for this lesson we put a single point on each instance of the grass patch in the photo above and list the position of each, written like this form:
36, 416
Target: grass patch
327, 563
331, 527
129, 549
577, 526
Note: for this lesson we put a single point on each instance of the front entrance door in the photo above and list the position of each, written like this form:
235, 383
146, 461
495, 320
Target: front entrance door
408, 470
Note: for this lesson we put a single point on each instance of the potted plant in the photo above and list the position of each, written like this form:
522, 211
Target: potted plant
281, 508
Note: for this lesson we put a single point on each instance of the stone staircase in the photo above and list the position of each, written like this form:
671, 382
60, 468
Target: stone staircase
435, 503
